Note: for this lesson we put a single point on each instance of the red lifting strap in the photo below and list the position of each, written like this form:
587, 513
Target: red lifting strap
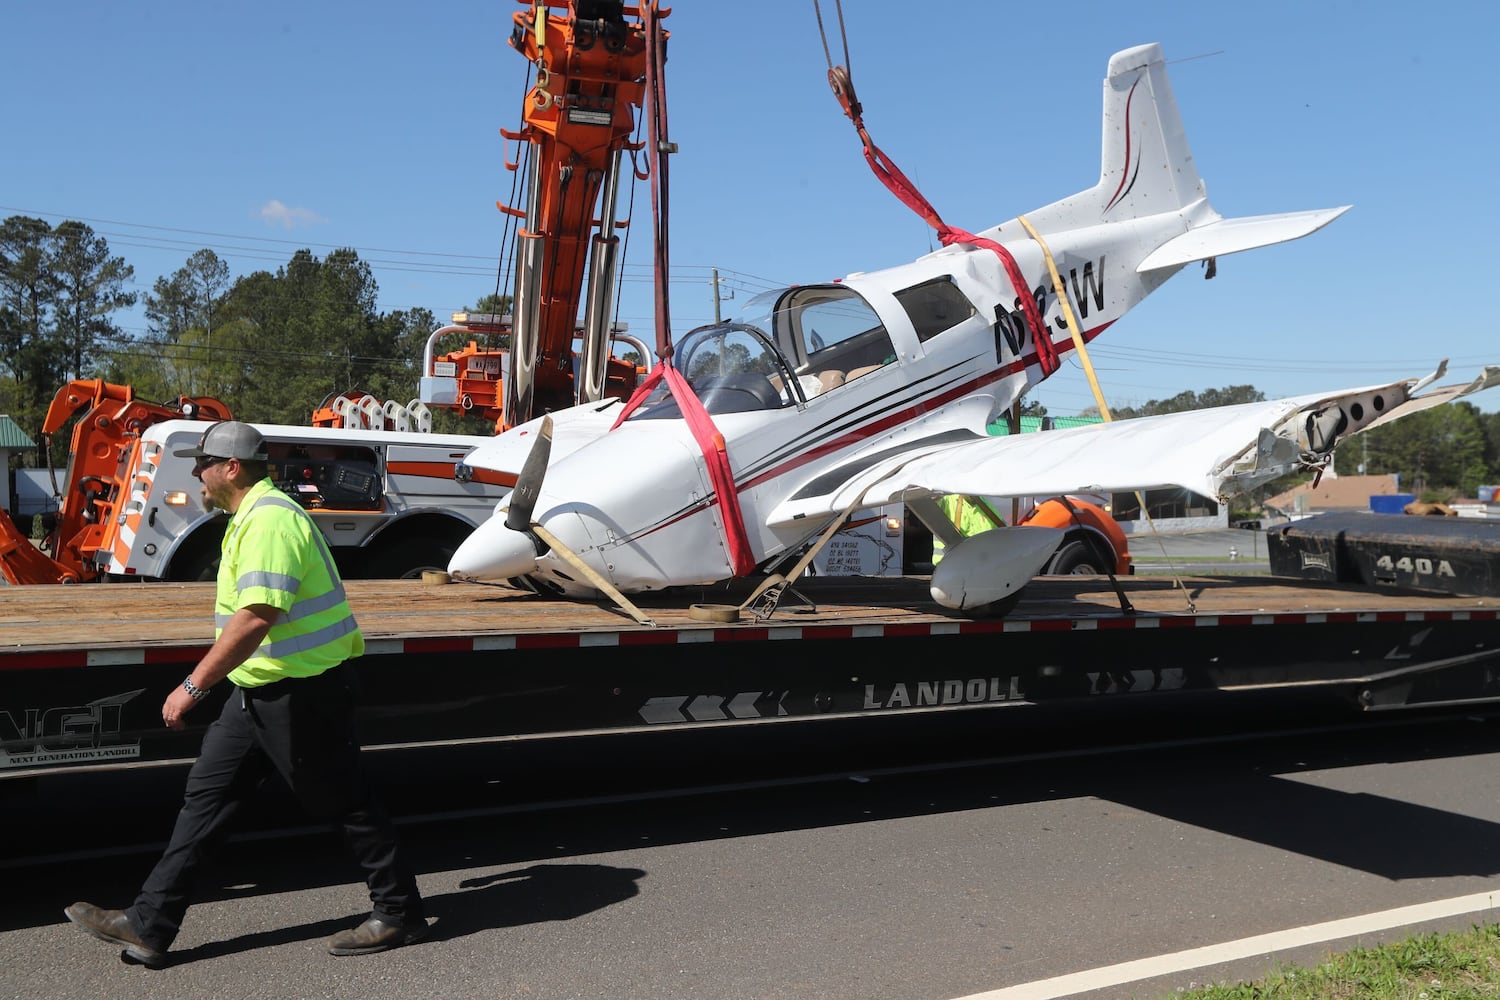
715, 457
898, 183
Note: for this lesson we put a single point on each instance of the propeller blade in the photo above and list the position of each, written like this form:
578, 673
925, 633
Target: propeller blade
529, 483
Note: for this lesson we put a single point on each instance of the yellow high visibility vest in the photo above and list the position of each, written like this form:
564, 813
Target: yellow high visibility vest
968, 516
274, 554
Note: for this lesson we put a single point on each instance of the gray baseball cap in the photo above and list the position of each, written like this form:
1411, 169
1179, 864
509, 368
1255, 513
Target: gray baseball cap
228, 439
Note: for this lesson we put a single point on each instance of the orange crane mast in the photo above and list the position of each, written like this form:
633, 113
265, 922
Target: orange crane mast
591, 63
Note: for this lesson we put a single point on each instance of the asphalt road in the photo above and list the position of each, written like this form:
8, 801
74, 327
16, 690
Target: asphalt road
1230, 551
892, 883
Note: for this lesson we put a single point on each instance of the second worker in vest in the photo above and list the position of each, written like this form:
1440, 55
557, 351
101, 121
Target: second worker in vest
970, 515
283, 630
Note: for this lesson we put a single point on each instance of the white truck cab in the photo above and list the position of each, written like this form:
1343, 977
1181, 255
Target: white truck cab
387, 501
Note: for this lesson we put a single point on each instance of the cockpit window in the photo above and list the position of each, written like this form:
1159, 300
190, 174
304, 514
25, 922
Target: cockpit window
837, 336
935, 306
786, 347
732, 367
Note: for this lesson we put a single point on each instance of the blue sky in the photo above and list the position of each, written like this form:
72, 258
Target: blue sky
257, 129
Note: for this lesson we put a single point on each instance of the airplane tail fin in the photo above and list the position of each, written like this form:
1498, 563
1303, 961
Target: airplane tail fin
1147, 169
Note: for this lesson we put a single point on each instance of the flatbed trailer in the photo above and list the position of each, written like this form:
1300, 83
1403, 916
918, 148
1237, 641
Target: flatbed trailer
84, 669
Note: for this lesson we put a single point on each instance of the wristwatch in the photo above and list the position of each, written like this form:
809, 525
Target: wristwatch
197, 692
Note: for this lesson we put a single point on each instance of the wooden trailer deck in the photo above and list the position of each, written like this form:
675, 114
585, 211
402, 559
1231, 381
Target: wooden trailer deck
38, 619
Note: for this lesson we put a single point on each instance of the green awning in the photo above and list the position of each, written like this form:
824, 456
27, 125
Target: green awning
11, 435
1032, 424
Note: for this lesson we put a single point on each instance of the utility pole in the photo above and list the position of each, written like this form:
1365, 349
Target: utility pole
716, 295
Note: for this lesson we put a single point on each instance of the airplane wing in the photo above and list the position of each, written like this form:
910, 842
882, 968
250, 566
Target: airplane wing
1214, 452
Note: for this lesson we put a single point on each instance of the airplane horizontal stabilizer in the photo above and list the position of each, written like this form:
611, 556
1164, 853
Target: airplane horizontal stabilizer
1227, 236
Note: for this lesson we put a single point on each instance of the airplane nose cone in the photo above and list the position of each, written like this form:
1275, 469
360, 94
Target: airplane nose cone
493, 552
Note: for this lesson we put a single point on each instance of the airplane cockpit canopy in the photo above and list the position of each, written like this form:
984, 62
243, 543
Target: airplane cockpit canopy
783, 348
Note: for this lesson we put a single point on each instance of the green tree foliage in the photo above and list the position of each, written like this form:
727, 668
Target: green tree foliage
1441, 451
28, 297
59, 288
1491, 424
1227, 396
182, 314
90, 289
296, 336
272, 345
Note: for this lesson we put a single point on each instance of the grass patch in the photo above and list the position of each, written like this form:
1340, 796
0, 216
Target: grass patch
1460, 965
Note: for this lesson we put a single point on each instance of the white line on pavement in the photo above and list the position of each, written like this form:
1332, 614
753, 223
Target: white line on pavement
1228, 951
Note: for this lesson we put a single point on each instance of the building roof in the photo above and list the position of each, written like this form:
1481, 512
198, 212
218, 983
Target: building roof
1336, 493
1032, 424
11, 435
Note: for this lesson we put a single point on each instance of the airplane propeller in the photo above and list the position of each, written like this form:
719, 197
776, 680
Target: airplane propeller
529, 483
523, 504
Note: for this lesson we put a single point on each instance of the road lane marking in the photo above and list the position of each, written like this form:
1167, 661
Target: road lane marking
1250, 947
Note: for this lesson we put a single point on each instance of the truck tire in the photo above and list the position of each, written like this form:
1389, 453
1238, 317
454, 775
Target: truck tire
409, 558
1077, 558
198, 560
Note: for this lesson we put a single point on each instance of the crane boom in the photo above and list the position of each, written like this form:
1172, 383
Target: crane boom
590, 59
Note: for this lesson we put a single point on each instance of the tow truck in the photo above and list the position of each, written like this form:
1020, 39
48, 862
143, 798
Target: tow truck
386, 499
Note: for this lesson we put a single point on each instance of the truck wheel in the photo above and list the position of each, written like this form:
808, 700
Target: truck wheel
1076, 558
409, 558
198, 561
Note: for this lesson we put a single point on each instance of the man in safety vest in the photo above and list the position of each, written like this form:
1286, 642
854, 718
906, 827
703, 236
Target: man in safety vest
970, 515
283, 630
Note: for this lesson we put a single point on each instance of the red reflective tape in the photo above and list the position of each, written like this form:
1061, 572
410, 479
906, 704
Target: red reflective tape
178, 654
828, 632
1288, 619
744, 634
655, 637
570, 640
1052, 625
43, 661
439, 644
1236, 620
1390, 616
981, 628
1107, 624
908, 630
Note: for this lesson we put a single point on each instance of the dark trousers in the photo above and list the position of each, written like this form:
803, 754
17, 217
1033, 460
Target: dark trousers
302, 729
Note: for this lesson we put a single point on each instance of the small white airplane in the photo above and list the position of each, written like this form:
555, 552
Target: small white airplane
765, 431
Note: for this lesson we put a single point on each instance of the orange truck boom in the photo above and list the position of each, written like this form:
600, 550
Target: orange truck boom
112, 420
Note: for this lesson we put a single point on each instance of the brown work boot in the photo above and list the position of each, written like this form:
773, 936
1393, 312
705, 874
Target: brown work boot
376, 935
113, 926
